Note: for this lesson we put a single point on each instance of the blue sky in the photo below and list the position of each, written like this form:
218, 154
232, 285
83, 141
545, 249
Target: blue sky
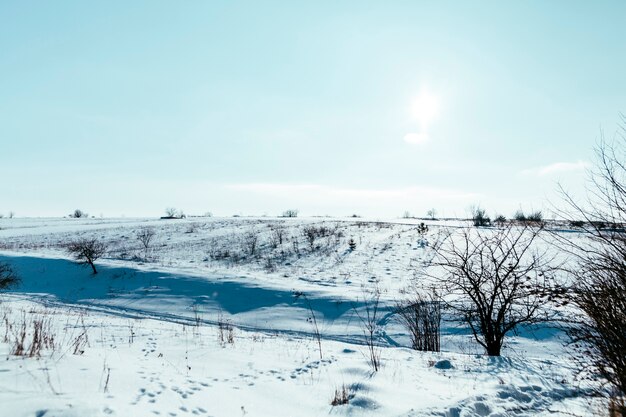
375, 108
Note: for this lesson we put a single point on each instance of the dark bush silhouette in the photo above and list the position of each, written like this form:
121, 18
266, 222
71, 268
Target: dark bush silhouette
479, 217
8, 277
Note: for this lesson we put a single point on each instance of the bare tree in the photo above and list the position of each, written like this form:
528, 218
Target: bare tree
493, 280
145, 237
87, 251
599, 289
290, 213
171, 212
431, 213
11, 214
78, 213
8, 277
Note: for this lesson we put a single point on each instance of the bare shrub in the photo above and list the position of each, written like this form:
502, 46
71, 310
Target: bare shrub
369, 321
226, 331
422, 231
312, 319
145, 237
277, 236
494, 281
32, 336
535, 217
341, 396
290, 213
78, 214
250, 242
421, 315
500, 220
87, 251
312, 233
8, 277
599, 289
479, 217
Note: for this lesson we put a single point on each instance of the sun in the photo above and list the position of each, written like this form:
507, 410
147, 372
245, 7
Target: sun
425, 108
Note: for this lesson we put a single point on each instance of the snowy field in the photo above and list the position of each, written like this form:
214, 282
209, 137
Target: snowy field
220, 317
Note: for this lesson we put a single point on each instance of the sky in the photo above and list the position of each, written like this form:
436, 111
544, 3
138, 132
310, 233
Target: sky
328, 107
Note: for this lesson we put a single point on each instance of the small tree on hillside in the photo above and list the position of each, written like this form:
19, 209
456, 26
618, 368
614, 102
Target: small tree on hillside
145, 237
494, 281
87, 251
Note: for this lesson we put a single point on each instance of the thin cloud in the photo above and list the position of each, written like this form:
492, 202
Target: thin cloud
317, 198
416, 138
555, 168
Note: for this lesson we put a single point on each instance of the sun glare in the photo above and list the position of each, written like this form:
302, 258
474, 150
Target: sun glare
425, 108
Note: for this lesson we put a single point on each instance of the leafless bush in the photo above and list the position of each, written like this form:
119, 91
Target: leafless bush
277, 236
269, 264
78, 214
422, 231
479, 217
494, 281
599, 291
250, 242
312, 319
145, 237
30, 337
369, 321
8, 277
226, 331
535, 217
421, 315
290, 213
312, 233
341, 396
87, 251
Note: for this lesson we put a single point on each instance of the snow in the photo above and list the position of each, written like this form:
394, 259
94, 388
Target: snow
153, 334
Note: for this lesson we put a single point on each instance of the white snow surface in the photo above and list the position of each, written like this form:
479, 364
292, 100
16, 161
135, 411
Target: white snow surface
203, 323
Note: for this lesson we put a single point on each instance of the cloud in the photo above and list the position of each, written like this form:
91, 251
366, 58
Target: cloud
322, 199
556, 168
416, 138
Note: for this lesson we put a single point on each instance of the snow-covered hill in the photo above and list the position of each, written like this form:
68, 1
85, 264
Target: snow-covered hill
220, 316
